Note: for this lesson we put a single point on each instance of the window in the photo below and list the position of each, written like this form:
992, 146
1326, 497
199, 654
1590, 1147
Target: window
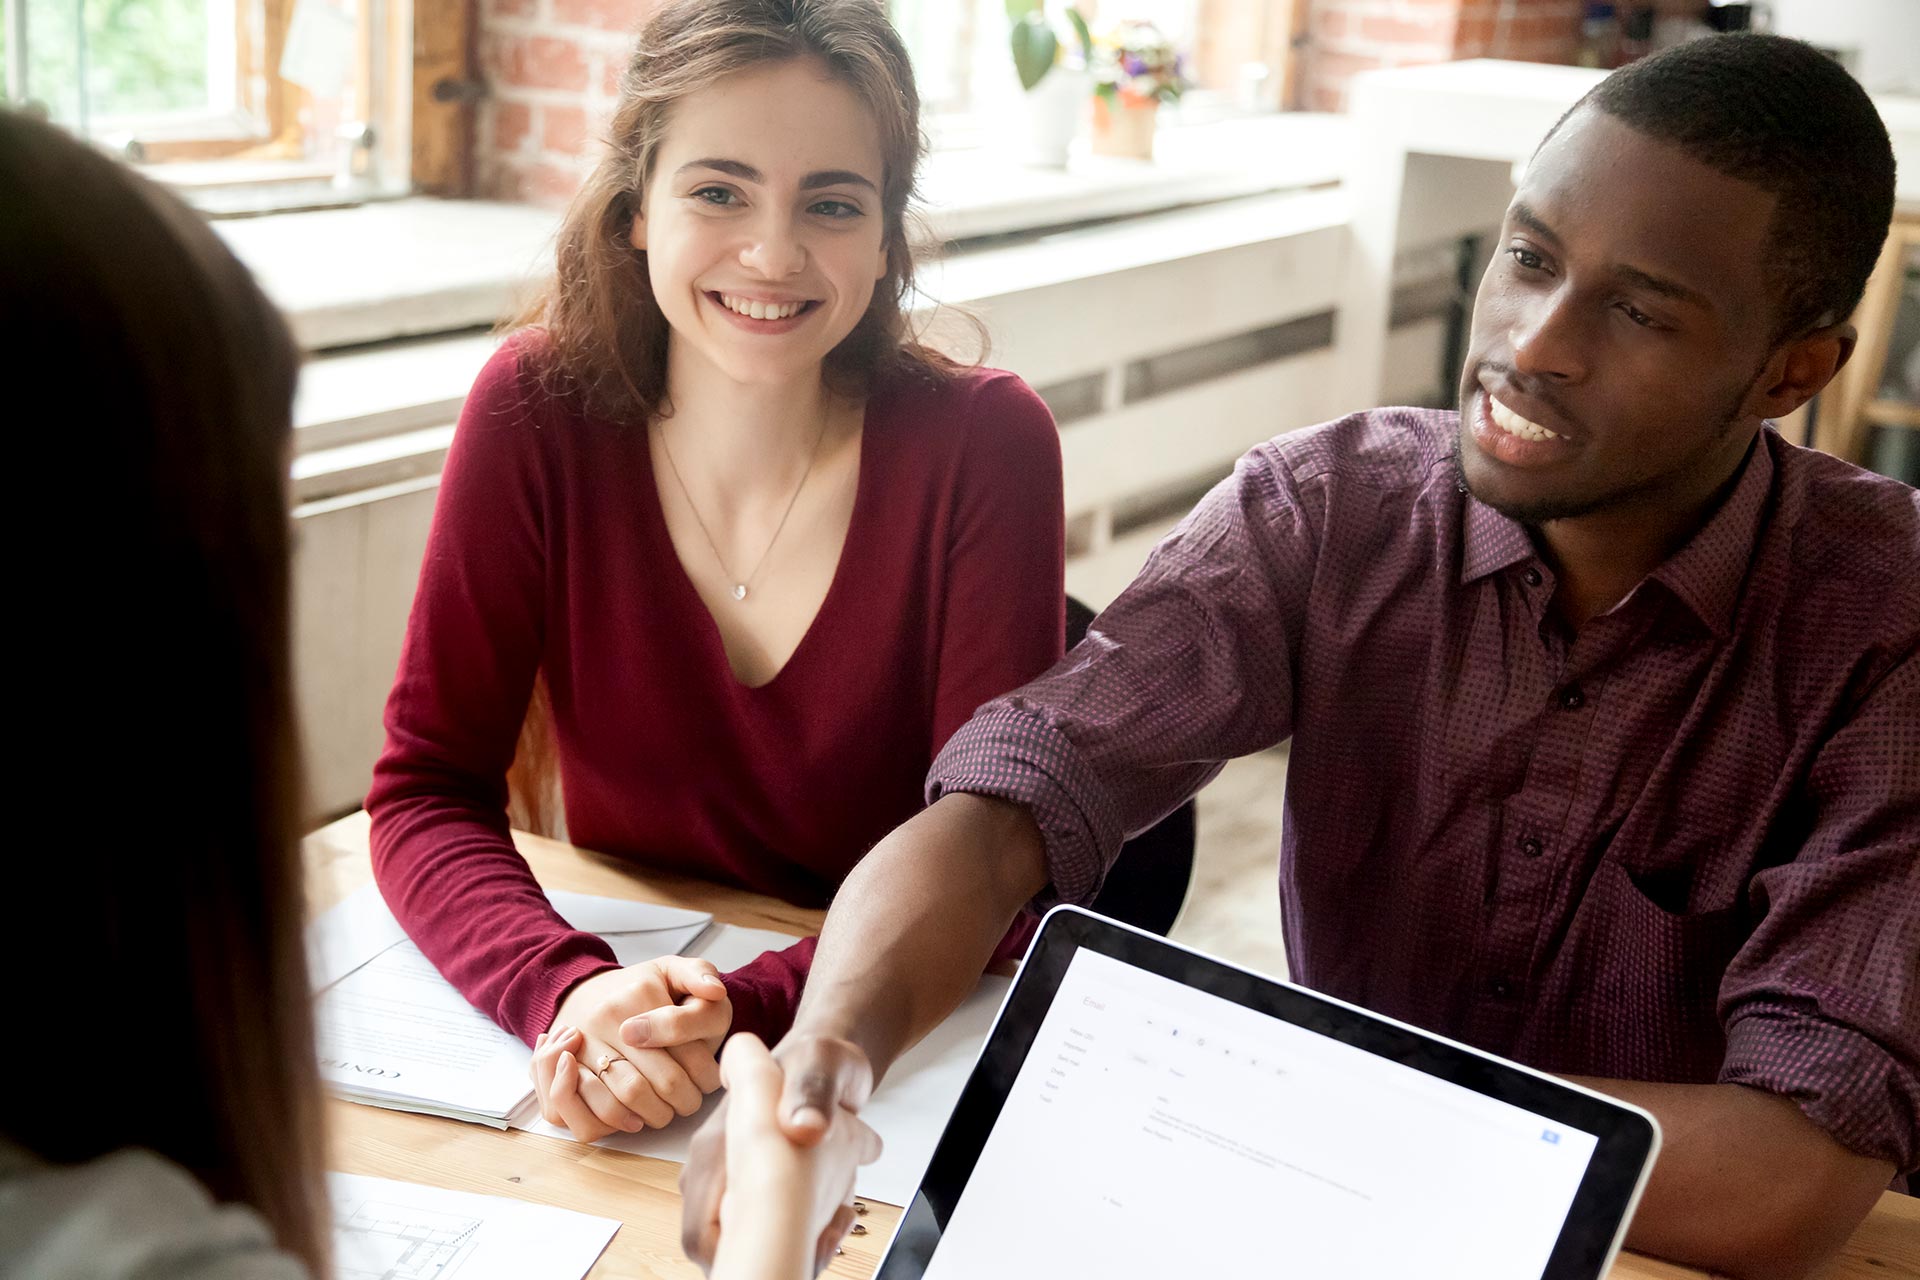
213, 95
1236, 52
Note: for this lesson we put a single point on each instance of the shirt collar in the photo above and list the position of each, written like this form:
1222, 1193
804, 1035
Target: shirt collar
1706, 573
1491, 542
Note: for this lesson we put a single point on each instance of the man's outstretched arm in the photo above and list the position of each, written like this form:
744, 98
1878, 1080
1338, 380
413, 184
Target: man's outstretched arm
1745, 1186
908, 935
914, 925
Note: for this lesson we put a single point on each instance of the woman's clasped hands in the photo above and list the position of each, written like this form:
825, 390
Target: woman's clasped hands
632, 1048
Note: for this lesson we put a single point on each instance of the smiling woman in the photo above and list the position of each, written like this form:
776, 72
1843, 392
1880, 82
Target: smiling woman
718, 539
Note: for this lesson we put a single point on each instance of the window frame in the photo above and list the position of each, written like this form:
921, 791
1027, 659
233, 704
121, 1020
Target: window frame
420, 94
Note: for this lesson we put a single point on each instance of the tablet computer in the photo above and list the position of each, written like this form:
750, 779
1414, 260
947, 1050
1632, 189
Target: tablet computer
1141, 1111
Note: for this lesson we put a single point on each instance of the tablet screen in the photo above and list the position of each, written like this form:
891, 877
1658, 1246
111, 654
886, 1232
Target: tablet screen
1155, 1130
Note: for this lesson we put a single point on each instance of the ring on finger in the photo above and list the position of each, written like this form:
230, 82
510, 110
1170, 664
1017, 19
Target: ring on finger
605, 1064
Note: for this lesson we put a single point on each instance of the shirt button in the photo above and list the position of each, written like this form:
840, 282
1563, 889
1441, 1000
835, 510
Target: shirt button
1533, 577
1572, 699
1532, 847
1500, 989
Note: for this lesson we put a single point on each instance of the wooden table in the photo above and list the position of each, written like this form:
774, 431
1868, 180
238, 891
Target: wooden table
641, 1192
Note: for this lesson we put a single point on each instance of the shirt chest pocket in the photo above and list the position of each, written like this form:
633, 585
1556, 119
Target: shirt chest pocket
1652, 975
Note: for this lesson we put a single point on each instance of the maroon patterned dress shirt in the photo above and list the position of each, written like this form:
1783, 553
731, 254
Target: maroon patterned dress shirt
1681, 844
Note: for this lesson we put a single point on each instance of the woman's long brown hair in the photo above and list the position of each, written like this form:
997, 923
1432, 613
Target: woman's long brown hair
153, 950
605, 340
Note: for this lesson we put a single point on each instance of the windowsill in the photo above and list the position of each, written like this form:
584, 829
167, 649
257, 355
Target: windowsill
400, 335
977, 193
418, 266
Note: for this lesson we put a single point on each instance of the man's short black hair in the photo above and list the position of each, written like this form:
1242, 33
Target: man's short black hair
1787, 118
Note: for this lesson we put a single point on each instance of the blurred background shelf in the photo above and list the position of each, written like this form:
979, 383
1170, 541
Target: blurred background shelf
1870, 414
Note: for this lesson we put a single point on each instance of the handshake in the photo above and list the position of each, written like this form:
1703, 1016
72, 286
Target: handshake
768, 1189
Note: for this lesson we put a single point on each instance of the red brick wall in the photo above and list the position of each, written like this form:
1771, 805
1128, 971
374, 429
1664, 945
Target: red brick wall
1346, 36
552, 69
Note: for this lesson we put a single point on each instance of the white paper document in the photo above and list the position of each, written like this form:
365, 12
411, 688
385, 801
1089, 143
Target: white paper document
909, 1110
386, 1230
393, 1032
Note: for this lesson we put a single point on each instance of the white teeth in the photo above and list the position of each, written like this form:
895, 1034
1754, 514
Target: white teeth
1515, 425
756, 310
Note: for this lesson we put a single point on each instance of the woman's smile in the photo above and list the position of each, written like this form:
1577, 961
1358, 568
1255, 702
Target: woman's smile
764, 316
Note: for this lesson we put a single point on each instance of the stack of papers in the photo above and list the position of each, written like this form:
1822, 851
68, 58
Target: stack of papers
393, 1033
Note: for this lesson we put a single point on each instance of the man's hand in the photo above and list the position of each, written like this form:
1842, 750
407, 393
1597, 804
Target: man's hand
913, 925
787, 1206
823, 1076
633, 1048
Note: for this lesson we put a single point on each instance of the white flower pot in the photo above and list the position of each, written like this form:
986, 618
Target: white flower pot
1054, 110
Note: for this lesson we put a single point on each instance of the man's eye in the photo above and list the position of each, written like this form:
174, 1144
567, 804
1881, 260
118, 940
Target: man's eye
1527, 258
1639, 317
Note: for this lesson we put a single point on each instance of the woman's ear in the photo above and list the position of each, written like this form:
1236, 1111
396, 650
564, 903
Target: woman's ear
637, 234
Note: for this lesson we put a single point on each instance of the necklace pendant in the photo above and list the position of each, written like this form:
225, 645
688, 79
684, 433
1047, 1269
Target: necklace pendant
739, 591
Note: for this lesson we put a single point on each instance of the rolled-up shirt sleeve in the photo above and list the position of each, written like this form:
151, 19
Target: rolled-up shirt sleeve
1822, 1004
1191, 666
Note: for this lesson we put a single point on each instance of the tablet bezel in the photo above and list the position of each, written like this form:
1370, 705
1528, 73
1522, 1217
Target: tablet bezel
1627, 1137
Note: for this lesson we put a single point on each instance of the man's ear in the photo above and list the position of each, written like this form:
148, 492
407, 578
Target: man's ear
1799, 369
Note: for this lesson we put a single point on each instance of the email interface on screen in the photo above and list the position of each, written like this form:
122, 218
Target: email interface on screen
1156, 1130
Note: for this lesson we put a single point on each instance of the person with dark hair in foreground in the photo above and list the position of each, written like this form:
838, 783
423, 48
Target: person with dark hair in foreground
1604, 700
163, 1115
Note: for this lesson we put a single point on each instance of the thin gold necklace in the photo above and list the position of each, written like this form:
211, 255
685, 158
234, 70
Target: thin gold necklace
740, 585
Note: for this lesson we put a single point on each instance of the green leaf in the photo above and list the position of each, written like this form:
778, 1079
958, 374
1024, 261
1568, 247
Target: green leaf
1080, 32
1017, 10
1034, 49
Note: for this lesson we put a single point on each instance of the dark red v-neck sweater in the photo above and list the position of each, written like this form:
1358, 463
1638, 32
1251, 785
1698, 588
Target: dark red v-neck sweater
549, 553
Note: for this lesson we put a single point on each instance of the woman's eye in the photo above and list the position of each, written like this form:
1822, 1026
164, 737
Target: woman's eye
714, 195
1527, 258
835, 209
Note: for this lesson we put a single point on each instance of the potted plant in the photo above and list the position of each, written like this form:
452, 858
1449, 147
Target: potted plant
1135, 69
1056, 83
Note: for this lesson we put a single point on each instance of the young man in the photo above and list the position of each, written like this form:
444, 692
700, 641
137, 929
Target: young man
1604, 700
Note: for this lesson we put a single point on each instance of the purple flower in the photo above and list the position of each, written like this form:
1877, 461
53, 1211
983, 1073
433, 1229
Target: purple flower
1133, 65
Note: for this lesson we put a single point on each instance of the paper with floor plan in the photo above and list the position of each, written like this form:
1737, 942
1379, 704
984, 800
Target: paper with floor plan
387, 1230
393, 1032
909, 1110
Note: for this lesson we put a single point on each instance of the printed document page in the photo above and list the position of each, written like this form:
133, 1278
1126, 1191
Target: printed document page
1155, 1130
395, 1026
393, 1032
386, 1230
